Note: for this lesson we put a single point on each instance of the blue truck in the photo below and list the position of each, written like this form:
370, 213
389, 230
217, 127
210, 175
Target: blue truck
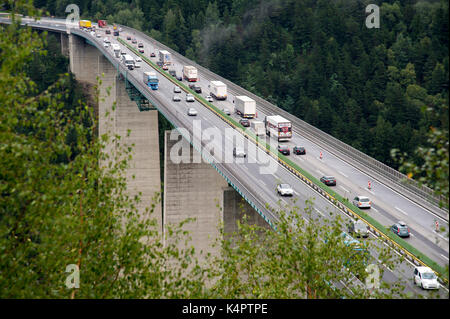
151, 80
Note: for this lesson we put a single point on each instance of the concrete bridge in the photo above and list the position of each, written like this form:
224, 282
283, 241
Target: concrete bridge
191, 190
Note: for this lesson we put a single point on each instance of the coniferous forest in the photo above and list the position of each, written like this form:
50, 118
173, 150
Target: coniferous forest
375, 89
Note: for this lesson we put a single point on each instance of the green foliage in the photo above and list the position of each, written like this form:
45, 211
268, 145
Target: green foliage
305, 257
64, 201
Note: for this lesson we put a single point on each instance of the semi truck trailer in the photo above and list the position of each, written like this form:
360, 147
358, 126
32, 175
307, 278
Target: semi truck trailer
218, 90
165, 57
151, 80
278, 127
190, 73
245, 106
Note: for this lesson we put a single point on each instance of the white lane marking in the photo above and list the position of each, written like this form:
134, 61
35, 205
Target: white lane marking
261, 181
440, 235
385, 265
344, 189
342, 174
320, 172
401, 211
346, 287
395, 251
301, 159
444, 256
319, 212
374, 209
370, 191
411, 234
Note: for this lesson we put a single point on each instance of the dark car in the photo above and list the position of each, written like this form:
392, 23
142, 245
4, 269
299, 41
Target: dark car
196, 88
140, 45
284, 149
400, 229
328, 180
179, 78
141, 50
159, 63
173, 73
152, 54
108, 31
128, 38
299, 150
244, 122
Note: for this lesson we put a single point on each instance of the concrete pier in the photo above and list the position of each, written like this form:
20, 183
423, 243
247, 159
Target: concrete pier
143, 174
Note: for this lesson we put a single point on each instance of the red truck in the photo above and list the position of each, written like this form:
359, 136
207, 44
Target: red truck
102, 23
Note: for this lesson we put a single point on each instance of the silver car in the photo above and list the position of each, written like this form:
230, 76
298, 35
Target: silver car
190, 98
176, 98
226, 111
176, 89
285, 190
362, 202
358, 229
192, 112
209, 98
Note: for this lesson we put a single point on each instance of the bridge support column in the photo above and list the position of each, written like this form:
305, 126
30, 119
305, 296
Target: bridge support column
64, 44
235, 206
197, 190
143, 174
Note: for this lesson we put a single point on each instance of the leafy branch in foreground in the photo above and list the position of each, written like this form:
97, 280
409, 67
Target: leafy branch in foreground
63, 200
306, 257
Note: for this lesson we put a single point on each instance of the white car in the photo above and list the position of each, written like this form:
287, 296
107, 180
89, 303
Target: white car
226, 111
98, 35
190, 98
209, 98
191, 111
425, 278
106, 40
176, 89
137, 62
106, 44
362, 202
239, 152
176, 98
285, 190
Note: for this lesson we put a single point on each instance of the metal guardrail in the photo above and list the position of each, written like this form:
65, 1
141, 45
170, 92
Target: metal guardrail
401, 183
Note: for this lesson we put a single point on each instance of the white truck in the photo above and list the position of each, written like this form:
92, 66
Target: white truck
278, 127
190, 73
258, 127
128, 61
218, 90
116, 50
245, 106
165, 57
